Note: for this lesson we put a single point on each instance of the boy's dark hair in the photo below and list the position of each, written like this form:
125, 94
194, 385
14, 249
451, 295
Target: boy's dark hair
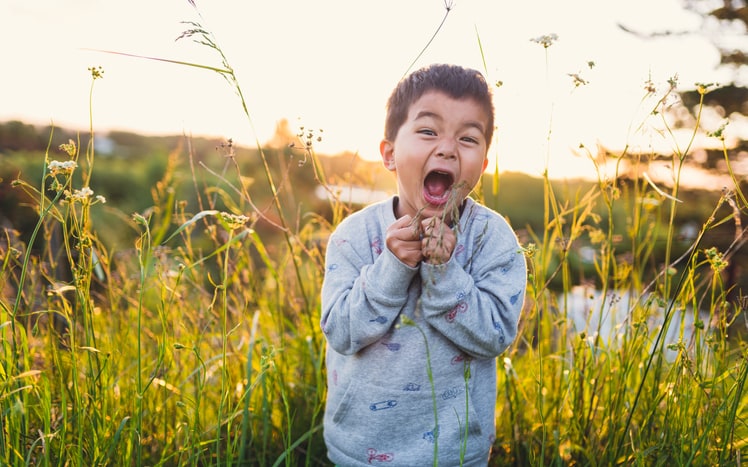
453, 80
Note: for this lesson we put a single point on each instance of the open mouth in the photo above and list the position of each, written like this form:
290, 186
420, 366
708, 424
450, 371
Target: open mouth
436, 187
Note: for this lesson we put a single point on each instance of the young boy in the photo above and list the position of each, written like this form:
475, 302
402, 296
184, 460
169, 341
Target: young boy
422, 291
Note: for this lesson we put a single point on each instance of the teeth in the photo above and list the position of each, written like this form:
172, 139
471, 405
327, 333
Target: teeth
446, 174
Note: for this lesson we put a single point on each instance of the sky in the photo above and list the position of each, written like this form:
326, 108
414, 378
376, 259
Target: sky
331, 64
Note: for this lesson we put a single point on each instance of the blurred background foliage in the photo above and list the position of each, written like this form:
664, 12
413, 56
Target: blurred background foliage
134, 172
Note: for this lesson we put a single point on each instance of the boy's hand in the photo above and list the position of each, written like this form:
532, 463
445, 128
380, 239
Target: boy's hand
404, 241
438, 241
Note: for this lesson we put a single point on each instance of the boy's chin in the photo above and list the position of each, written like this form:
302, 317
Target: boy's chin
431, 210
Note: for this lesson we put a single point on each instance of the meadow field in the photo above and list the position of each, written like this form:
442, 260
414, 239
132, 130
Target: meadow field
177, 323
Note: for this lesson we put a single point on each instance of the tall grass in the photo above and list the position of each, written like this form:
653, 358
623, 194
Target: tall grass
586, 396
199, 344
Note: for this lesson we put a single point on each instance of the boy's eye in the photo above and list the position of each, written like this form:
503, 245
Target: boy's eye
470, 139
427, 131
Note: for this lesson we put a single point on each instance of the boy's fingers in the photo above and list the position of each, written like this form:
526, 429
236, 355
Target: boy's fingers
404, 228
403, 221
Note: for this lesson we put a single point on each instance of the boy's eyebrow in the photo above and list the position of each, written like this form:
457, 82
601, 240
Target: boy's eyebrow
426, 114
429, 114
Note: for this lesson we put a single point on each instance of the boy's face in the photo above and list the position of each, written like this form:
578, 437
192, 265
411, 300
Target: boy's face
440, 147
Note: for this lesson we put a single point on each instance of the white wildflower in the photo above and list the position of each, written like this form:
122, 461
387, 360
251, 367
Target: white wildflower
57, 167
84, 194
546, 40
233, 221
508, 366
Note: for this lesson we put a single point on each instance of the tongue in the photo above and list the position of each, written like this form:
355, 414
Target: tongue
437, 184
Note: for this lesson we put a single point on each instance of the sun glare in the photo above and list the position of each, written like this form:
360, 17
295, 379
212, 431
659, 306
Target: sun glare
306, 66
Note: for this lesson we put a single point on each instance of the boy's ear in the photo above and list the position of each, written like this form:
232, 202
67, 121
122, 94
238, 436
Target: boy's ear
387, 150
485, 163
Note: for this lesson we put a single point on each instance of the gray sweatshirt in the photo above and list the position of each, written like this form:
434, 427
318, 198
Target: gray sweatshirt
388, 324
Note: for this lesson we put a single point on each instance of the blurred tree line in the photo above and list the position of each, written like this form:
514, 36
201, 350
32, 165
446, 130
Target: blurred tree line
140, 174
725, 24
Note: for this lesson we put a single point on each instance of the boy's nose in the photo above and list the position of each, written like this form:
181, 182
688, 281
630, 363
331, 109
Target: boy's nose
447, 149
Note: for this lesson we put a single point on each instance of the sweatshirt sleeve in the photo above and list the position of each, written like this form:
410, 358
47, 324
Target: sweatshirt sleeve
364, 290
477, 307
